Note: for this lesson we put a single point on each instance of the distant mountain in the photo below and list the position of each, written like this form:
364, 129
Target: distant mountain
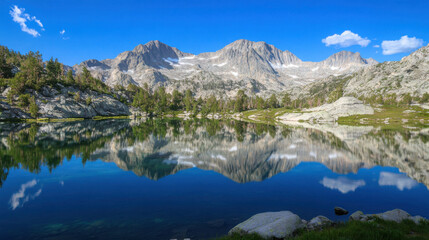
257, 67
410, 75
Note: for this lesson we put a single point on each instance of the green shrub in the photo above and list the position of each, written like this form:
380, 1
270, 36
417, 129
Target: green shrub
425, 98
406, 99
77, 97
34, 109
88, 101
3, 82
24, 100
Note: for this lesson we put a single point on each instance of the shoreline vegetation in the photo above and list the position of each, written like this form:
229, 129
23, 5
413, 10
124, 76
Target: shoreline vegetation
355, 230
385, 116
390, 225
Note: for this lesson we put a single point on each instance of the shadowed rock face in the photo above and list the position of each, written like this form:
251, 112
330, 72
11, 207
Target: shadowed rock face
257, 66
242, 152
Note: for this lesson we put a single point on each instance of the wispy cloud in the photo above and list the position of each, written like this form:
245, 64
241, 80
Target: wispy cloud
342, 184
21, 18
21, 197
62, 32
405, 44
346, 39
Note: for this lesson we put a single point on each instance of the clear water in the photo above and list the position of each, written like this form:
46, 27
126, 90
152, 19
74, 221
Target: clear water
166, 179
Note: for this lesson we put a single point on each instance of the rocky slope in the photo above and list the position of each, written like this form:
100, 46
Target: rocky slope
257, 67
62, 103
410, 75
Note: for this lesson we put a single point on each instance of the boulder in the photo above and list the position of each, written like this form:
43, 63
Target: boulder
319, 222
356, 216
5, 92
340, 211
418, 219
396, 215
270, 225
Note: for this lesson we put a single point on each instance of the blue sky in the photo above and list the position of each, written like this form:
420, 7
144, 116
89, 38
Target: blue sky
103, 29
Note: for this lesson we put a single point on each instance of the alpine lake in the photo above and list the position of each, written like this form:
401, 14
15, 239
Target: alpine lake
175, 179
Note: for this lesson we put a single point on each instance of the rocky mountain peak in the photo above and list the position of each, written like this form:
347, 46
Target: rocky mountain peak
162, 48
371, 61
154, 54
344, 57
262, 52
421, 54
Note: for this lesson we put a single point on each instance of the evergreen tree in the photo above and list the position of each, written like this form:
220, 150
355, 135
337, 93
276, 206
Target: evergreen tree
240, 101
272, 102
176, 100
70, 78
188, 100
286, 100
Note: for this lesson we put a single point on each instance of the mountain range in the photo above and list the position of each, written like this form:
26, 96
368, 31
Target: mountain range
257, 67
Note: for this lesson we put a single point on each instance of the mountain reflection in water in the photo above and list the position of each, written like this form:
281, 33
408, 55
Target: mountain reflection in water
189, 155
240, 151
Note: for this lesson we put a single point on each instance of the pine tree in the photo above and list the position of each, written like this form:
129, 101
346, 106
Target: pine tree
286, 100
34, 109
188, 100
272, 102
70, 79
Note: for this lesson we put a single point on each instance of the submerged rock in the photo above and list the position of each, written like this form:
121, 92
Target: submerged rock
270, 224
340, 211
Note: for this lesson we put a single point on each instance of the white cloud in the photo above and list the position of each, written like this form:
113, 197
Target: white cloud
346, 39
342, 184
21, 18
405, 44
376, 46
62, 32
20, 197
400, 181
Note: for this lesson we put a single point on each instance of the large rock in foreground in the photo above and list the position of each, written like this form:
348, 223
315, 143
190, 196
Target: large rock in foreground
345, 106
270, 224
395, 215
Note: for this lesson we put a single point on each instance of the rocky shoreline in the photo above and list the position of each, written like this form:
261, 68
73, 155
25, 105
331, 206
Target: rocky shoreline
67, 103
284, 224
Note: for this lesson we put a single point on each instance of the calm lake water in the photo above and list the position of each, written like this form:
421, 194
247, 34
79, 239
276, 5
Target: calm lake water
166, 179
